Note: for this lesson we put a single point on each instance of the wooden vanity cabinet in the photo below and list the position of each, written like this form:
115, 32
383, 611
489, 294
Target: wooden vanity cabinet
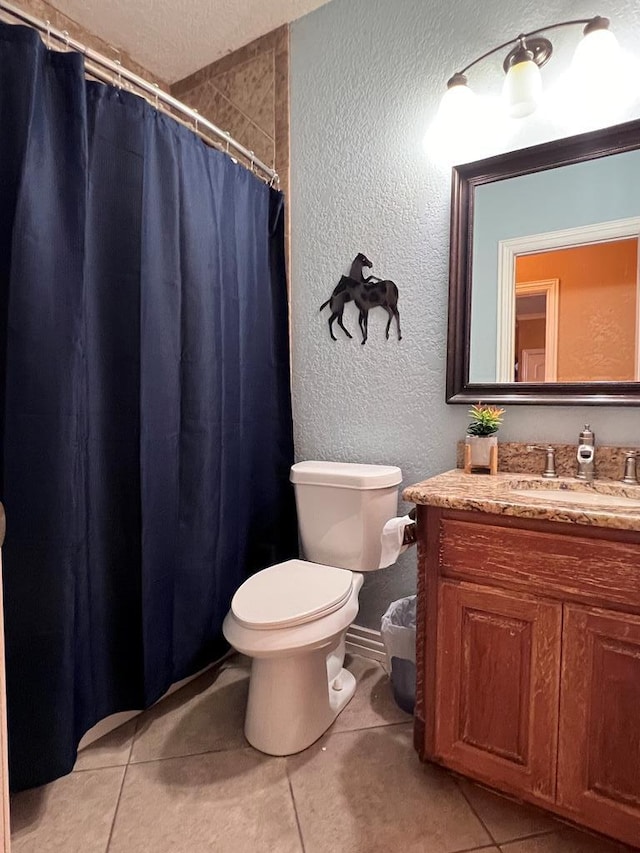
528, 656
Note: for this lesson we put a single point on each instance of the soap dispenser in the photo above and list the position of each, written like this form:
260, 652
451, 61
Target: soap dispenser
586, 454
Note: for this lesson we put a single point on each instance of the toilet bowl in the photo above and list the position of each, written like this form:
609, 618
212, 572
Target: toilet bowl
298, 685
292, 618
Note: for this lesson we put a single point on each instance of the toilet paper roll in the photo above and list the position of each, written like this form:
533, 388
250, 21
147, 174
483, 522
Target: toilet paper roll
391, 540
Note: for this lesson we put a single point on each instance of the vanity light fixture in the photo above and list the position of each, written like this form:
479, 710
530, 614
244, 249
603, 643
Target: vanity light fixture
594, 57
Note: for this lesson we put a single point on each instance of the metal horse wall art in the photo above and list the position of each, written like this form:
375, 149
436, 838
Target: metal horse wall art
367, 293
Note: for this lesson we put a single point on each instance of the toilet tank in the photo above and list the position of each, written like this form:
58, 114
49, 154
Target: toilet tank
342, 508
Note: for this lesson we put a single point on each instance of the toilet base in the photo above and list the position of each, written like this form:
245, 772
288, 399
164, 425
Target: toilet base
292, 700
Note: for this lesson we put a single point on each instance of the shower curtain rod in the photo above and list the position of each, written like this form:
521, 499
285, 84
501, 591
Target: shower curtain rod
96, 63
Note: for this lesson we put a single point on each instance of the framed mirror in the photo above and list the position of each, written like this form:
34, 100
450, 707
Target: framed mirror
544, 274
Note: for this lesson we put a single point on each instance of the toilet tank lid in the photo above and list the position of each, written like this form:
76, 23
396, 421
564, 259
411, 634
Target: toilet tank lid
346, 475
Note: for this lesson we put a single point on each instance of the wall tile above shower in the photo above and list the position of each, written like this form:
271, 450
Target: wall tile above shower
247, 94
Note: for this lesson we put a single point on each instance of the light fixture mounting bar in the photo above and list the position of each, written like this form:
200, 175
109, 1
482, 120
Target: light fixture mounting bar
597, 22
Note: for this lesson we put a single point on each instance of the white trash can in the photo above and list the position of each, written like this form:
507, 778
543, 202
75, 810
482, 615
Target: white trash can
398, 631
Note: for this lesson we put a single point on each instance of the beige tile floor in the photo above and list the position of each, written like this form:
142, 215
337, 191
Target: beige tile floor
182, 779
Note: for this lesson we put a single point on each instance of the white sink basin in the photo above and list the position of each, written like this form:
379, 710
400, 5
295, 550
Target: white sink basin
599, 494
581, 498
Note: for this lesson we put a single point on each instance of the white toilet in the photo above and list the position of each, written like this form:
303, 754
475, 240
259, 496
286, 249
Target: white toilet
292, 617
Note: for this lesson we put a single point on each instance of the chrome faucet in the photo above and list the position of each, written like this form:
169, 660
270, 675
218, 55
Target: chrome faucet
549, 472
586, 455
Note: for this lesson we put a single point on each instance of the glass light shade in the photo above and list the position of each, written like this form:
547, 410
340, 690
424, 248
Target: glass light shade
457, 106
522, 88
450, 134
597, 59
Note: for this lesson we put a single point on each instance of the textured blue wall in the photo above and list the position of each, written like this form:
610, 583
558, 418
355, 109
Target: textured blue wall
366, 79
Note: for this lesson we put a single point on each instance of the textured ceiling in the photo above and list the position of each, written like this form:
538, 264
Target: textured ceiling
174, 38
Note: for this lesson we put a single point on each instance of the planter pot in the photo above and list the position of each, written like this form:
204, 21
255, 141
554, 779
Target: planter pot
480, 449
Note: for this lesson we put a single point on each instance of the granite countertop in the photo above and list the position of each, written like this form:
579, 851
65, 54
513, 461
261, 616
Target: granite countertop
606, 503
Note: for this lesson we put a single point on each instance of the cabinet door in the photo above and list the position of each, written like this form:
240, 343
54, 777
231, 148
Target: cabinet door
599, 745
498, 674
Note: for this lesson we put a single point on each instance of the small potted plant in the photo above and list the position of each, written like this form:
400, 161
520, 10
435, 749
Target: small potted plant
481, 437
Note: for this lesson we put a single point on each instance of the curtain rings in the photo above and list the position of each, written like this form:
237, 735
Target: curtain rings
196, 121
156, 96
227, 136
117, 80
253, 162
48, 25
66, 35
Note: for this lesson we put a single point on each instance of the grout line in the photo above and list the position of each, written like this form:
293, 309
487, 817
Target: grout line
245, 748
240, 112
511, 840
275, 104
133, 737
369, 728
98, 768
249, 748
115, 811
196, 755
489, 846
295, 808
474, 810
527, 837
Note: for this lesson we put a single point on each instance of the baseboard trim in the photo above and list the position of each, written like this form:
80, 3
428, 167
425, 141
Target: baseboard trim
366, 642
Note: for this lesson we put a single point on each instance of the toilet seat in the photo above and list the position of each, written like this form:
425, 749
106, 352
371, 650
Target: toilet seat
291, 593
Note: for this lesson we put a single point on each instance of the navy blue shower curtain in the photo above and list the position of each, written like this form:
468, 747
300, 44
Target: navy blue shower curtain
145, 415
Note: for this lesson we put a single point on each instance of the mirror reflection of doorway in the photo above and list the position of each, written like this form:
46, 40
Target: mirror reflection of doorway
596, 313
597, 304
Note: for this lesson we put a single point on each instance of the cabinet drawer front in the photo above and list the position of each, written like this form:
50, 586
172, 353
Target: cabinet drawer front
498, 672
561, 565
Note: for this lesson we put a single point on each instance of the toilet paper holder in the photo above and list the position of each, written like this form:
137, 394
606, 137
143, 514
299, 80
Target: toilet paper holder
411, 531
398, 534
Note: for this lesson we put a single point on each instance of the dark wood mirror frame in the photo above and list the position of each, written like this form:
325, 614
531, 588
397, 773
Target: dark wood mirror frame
465, 178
